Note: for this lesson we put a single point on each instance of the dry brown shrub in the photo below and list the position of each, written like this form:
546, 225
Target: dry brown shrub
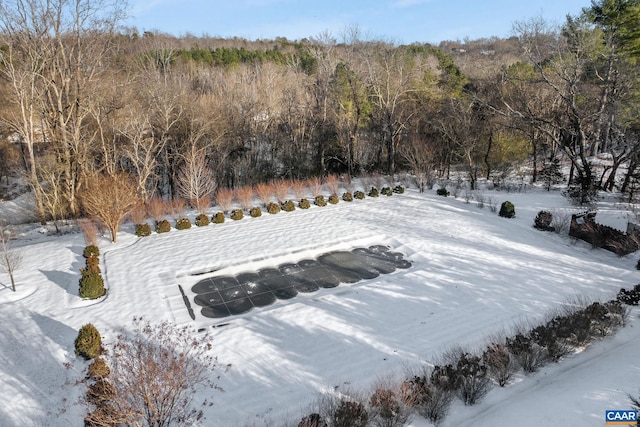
299, 189
178, 207
332, 183
281, 190
378, 181
245, 197
158, 208
224, 199
202, 203
348, 184
138, 214
89, 230
315, 186
264, 192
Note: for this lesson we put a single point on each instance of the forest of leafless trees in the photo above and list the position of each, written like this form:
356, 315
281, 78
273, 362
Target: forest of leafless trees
84, 97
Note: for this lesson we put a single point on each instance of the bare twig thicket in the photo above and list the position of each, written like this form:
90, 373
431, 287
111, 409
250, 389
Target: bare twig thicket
315, 186
281, 190
245, 196
178, 207
138, 213
89, 231
332, 183
158, 208
264, 192
299, 189
224, 199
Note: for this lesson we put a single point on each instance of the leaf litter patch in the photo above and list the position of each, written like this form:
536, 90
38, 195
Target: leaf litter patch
224, 296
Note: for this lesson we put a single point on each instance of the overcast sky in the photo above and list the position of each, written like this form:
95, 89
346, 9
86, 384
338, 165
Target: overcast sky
399, 21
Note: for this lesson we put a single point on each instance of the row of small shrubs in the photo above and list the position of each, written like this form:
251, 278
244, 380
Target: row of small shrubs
163, 226
88, 345
468, 376
91, 281
629, 297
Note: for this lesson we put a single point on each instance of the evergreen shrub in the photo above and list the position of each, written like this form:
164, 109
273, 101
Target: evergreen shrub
320, 201
237, 214
304, 204
202, 220
93, 264
347, 197
333, 199
442, 191
183, 224
163, 226
373, 192
398, 189
543, 221
507, 210
255, 212
288, 206
91, 250
88, 343
386, 191
273, 208
91, 284
143, 230
218, 218
631, 296
358, 195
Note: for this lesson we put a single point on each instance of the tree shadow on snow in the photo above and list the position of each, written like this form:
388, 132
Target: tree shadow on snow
35, 371
67, 281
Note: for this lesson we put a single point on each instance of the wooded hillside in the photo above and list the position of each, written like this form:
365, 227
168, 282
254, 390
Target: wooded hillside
84, 97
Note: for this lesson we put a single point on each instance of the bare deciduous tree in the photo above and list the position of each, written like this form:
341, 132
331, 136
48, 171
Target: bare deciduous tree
420, 157
109, 198
50, 187
10, 259
155, 374
196, 182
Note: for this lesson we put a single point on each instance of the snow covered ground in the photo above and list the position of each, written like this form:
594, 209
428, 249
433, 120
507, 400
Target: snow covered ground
474, 274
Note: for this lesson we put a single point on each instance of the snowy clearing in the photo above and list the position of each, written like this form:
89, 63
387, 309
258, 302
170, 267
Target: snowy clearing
473, 274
